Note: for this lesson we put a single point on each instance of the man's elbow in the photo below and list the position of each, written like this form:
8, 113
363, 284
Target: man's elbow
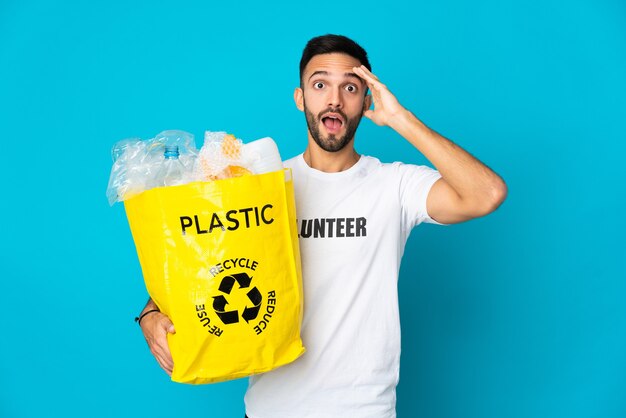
496, 196
488, 201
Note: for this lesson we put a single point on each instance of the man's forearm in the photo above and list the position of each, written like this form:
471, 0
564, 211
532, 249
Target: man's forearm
471, 179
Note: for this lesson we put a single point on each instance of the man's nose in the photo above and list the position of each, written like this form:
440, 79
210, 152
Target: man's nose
334, 98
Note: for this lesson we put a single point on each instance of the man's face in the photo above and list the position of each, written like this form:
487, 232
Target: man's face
333, 100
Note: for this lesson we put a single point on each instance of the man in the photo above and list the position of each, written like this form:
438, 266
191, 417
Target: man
354, 217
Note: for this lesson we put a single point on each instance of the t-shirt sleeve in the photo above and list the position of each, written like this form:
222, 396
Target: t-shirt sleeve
415, 184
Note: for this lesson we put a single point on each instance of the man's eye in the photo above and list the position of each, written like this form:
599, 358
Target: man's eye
318, 85
351, 88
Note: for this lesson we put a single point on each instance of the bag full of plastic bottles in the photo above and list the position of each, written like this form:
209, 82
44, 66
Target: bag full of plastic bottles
215, 232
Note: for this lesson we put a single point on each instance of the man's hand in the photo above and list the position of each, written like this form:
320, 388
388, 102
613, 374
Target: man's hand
386, 106
155, 327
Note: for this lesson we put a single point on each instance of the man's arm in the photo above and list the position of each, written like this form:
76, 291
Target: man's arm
468, 188
155, 327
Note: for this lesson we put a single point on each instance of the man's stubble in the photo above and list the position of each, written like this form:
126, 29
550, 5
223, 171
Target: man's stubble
332, 143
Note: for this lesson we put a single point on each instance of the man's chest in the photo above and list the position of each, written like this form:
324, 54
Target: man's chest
336, 215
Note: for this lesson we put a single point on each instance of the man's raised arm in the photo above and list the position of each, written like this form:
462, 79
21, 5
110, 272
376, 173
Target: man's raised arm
468, 188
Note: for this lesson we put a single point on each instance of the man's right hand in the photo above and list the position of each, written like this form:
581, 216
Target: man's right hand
155, 327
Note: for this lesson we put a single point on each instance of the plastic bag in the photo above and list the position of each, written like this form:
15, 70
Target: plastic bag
221, 259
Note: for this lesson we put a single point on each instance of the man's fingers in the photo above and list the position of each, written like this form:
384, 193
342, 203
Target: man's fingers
155, 328
163, 352
163, 357
166, 364
363, 69
366, 75
166, 367
167, 324
161, 345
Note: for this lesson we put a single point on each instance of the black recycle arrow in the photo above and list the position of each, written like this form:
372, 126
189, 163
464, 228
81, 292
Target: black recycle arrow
243, 279
219, 303
249, 313
227, 284
255, 296
227, 317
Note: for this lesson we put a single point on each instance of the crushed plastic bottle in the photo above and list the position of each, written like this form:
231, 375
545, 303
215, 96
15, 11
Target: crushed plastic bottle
172, 172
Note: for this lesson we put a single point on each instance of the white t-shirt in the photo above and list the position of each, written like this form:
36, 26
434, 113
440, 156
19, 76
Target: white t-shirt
353, 226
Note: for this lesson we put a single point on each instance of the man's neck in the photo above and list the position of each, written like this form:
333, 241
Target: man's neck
330, 162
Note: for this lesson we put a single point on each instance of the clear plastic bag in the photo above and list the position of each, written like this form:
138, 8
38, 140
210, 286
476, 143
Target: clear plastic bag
136, 163
222, 156
139, 165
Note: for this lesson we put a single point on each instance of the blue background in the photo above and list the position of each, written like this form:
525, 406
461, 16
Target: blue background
519, 314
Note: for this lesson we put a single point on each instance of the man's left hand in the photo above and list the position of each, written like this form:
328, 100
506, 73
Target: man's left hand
386, 106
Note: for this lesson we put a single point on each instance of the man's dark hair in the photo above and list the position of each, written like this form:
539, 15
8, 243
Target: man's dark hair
327, 44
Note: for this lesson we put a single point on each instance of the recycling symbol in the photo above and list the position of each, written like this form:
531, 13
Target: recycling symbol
231, 315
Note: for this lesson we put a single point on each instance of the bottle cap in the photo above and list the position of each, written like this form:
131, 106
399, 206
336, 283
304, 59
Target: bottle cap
171, 151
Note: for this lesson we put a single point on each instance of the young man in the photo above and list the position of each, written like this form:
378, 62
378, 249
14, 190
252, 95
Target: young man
354, 217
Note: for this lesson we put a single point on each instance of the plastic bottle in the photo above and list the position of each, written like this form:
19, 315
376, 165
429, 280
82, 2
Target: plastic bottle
172, 171
265, 156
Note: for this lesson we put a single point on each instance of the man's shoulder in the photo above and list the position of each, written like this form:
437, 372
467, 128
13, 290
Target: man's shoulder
392, 167
396, 166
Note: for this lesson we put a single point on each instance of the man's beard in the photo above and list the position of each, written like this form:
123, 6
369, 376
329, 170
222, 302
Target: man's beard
332, 143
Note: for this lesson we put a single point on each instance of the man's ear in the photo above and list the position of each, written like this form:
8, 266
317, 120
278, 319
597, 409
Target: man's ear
298, 97
367, 102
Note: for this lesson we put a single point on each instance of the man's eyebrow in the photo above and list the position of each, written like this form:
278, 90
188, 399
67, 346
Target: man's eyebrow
318, 73
349, 75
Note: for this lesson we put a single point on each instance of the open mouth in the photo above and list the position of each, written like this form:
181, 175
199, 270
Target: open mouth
333, 122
